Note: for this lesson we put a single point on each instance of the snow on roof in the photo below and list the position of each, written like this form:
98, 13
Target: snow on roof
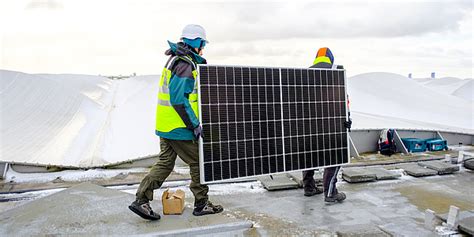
448, 86
76, 120
83, 120
392, 100
466, 91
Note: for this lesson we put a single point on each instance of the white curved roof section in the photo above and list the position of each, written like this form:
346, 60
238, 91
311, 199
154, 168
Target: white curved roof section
76, 120
387, 100
466, 91
90, 121
462, 88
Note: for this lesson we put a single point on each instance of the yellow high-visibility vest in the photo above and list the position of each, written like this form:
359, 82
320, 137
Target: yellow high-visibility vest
167, 119
322, 59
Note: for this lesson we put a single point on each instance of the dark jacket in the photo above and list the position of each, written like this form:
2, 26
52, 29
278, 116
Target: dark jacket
322, 65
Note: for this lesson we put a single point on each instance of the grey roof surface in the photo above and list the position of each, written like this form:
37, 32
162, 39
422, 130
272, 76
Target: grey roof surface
94, 210
394, 207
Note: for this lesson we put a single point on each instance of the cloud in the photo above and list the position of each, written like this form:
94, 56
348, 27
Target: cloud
276, 20
43, 4
112, 37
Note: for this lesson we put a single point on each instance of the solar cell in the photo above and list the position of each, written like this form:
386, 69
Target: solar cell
260, 120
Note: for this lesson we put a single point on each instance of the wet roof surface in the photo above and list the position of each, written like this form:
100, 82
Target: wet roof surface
393, 207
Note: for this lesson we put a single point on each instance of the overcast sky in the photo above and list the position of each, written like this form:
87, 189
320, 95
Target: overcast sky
122, 37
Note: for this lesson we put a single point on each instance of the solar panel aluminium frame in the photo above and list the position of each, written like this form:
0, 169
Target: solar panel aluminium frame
201, 142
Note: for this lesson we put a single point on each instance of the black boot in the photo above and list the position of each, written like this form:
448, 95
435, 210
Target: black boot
143, 209
338, 197
207, 208
308, 192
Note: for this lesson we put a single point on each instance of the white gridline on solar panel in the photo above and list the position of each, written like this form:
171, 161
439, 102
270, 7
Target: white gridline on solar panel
248, 73
303, 80
284, 156
318, 156
269, 85
315, 134
291, 93
308, 86
245, 140
244, 104
315, 150
246, 159
279, 137
227, 143
311, 135
316, 140
269, 103
274, 138
277, 155
273, 120
277, 103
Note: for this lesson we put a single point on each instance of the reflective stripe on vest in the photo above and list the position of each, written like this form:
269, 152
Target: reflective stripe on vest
167, 119
322, 59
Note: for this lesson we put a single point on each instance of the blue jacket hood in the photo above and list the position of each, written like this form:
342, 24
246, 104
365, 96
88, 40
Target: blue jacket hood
181, 49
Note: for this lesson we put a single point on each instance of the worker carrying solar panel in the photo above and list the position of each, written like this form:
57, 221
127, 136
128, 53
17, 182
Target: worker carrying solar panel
177, 124
325, 59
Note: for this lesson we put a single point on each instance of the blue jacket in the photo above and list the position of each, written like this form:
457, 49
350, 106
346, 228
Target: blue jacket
181, 85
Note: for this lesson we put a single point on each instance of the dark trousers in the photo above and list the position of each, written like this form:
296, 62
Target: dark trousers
329, 180
188, 151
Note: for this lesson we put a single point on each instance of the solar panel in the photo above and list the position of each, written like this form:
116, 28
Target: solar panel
259, 120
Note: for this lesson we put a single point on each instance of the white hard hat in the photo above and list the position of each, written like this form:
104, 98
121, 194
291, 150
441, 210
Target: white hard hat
194, 31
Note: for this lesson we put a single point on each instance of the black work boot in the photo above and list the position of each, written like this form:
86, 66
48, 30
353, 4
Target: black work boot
308, 192
207, 208
143, 209
338, 197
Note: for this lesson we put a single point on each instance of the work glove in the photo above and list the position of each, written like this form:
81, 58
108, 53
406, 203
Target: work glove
198, 132
348, 124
